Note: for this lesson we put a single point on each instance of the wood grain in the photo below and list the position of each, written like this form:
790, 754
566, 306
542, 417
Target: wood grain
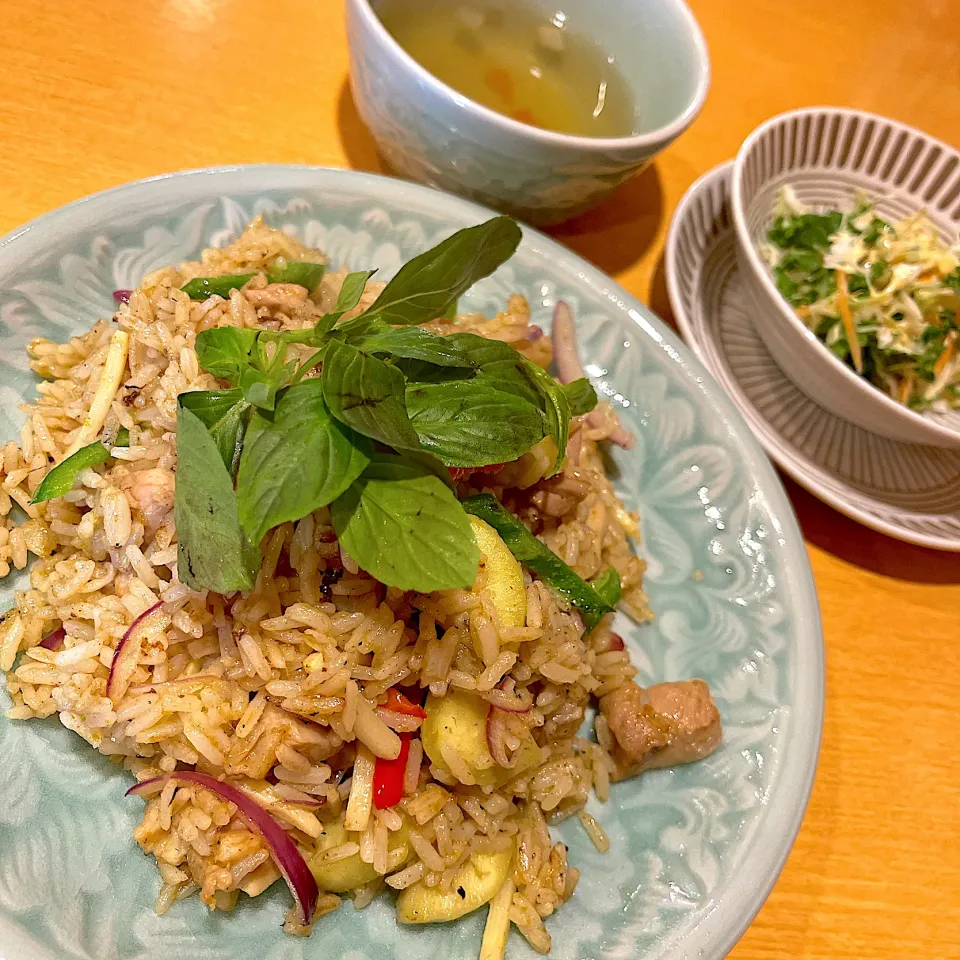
99, 92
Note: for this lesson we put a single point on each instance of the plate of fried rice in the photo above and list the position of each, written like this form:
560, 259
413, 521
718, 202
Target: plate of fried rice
378, 577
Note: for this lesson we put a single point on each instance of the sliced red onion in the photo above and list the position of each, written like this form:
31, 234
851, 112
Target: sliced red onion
619, 436
616, 642
575, 445
122, 296
569, 368
496, 731
534, 333
284, 851
400, 722
125, 657
54, 640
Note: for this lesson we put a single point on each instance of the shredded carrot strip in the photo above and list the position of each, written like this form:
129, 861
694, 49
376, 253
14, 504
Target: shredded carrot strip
846, 317
803, 312
906, 388
949, 348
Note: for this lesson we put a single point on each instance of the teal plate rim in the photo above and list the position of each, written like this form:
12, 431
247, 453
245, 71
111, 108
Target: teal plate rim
709, 925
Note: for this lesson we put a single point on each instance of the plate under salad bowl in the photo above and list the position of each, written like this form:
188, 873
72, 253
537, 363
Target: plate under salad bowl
693, 851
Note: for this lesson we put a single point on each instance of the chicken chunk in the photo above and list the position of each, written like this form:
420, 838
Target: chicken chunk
278, 296
660, 726
152, 493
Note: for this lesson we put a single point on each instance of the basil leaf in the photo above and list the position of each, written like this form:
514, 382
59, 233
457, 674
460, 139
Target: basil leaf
555, 409
581, 397
259, 389
367, 395
499, 364
502, 367
199, 288
213, 551
608, 586
411, 343
352, 290
301, 272
539, 558
471, 424
508, 370
225, 352
225, 414
63, 476
405, 527
296, 460
350, 293
425, 287
210, 406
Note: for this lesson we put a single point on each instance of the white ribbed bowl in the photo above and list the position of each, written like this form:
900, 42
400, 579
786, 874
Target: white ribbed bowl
826, 154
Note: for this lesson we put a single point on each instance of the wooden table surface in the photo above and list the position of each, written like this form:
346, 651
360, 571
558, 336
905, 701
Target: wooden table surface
94, 93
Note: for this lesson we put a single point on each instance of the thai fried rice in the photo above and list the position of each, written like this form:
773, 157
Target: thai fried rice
283, 691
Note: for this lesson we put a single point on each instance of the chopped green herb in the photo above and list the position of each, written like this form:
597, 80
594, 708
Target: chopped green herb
199, 288
300, 272
63, 476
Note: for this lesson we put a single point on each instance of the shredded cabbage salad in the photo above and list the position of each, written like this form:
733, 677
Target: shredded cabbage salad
883, 297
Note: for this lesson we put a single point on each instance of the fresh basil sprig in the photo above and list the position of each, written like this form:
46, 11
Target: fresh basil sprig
410, 343
298, 433
367, 394
581, 396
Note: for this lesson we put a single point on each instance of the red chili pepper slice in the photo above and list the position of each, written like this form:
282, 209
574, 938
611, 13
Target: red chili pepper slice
398, 703
388, 776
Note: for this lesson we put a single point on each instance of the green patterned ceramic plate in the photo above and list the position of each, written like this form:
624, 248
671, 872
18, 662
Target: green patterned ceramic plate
694, 851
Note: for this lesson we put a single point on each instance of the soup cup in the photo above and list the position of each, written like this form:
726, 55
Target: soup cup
427, 131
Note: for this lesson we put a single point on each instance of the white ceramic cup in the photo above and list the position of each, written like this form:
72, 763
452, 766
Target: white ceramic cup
427, 131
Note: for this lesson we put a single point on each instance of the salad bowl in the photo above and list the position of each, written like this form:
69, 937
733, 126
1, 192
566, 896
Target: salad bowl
827, 155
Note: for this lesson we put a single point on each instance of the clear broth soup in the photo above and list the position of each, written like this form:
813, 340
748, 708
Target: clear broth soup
517, 60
